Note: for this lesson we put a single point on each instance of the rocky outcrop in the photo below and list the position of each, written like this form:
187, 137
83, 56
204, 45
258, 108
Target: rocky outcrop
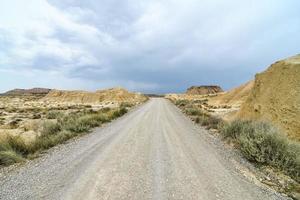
275, 96
205, 89
33, 91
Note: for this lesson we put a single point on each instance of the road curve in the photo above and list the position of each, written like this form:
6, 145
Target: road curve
153, 152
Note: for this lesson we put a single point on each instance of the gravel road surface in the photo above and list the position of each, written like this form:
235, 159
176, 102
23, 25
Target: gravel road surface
153, 152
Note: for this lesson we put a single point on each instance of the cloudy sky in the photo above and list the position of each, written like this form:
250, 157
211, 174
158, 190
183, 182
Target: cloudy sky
143, 45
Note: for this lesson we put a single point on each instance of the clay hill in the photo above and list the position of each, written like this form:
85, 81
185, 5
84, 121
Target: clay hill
114, 95
205, 89
275, 96
234, 97
33, 91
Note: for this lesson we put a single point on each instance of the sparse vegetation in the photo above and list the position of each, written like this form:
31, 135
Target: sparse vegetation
57, 129
126, 105
54, 114
259, 142
118, 113
202, 117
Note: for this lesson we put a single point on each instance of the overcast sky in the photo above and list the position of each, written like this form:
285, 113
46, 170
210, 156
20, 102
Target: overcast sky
143, 45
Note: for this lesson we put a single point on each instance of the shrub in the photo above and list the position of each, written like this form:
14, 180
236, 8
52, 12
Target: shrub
119, 112
54, 115
181, 102
208, 121
260, 142
31, 126
9, 157
18, 145
44, 142
126, 105
12, 150
77, 125
213, 122
50, 128
193, 111
235, 128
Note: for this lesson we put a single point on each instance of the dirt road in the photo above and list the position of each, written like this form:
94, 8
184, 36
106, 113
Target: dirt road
154, 152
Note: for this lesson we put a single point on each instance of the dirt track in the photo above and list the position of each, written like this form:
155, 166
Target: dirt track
154, 152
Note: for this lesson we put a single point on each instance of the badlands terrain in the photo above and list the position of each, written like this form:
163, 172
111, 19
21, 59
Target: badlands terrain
23, 112
274, 96
205, 144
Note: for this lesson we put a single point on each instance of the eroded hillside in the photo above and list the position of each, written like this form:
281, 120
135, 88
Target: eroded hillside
100, 97
275, 96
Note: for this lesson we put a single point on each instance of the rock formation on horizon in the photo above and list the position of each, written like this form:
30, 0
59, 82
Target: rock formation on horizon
115, 95
204, 89
33, 91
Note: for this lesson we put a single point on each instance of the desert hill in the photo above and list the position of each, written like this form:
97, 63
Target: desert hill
233, 97
114, 95
33, 91
275, 96
205, 89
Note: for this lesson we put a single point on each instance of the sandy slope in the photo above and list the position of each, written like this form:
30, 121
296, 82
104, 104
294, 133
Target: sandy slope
275, 96
154, 152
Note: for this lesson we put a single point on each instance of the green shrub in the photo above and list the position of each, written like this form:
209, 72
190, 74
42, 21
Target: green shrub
211, 122
54, 115
12, 150
44, 142
126, 105
120, 112
235, 128
181, 103
50, 128
10, 157
260, 142
193, 111
18, 145
77, 125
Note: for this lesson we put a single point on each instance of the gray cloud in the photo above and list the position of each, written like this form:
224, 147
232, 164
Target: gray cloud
151, 46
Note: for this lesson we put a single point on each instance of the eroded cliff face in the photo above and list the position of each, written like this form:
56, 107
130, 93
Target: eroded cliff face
202, 90
275, 97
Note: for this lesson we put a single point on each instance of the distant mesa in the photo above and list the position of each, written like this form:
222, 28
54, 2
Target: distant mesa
33, 91
204, 89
